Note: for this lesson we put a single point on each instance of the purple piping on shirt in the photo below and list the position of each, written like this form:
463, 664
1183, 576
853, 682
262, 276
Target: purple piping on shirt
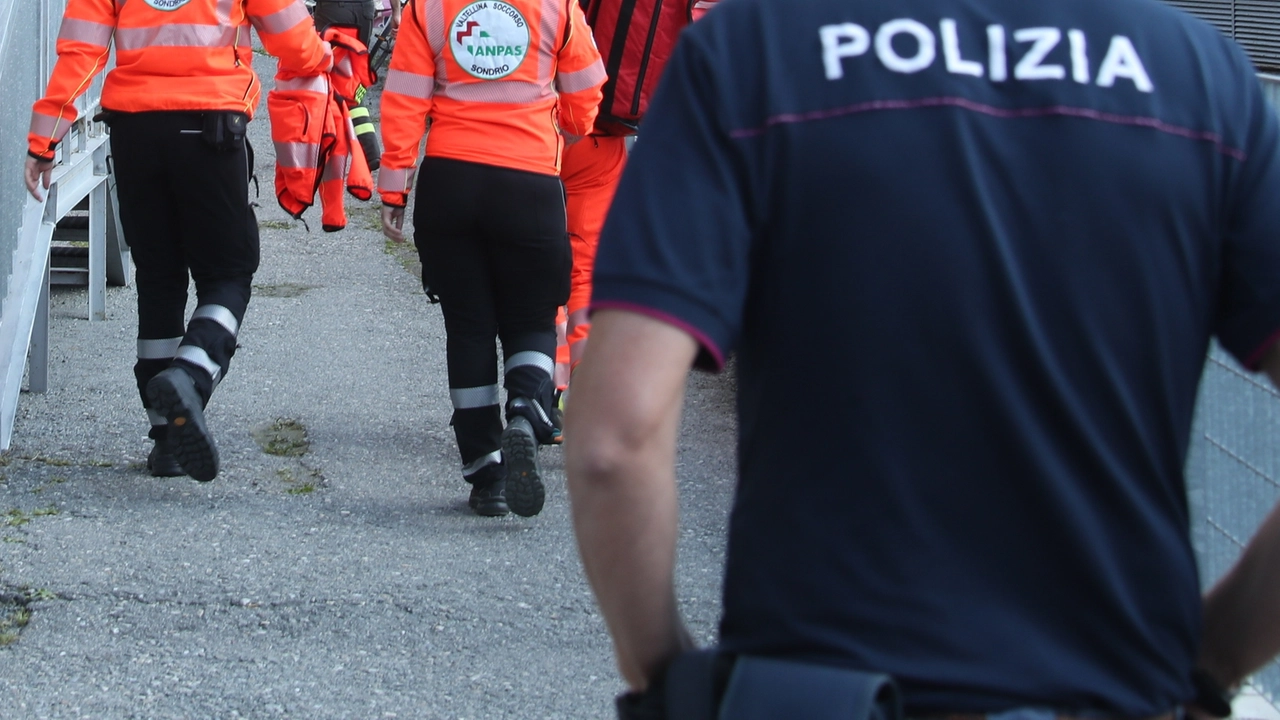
959, 102
1255, 358
669, 319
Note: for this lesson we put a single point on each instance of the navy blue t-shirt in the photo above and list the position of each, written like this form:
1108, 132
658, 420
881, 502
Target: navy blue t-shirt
970, 255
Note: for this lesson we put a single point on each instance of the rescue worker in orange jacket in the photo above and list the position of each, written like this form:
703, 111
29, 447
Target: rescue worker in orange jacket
177, 103
501, 84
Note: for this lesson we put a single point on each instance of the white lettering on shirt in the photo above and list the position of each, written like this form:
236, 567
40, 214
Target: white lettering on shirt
1045, 39
951, 51
926, 46
996, 51
1122, 61
1079, 57
841, 42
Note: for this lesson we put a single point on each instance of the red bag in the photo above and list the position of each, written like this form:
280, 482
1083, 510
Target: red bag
635, 38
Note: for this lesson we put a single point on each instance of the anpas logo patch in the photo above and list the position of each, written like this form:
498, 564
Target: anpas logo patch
167, 5
489, 39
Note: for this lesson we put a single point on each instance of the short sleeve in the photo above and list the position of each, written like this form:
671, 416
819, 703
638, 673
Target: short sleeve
1248, 317
677, 242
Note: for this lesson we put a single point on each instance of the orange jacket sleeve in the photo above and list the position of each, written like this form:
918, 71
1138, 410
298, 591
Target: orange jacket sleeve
406, 104
579, 76
289, 33
83, 45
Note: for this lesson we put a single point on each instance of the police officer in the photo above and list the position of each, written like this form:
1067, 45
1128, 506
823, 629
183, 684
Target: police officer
987, 244
497, 82
177, 103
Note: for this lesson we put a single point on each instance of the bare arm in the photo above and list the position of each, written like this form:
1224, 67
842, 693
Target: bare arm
1241, 625
620, 444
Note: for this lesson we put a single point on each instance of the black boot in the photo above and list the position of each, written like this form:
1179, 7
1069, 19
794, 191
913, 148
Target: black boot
173, 394
488, 496
527, 427
162, 463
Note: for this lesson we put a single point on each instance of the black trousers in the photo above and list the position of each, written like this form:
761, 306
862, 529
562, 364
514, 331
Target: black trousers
184, 207
495, 248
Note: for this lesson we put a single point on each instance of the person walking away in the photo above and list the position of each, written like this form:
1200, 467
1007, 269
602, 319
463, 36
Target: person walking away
987, 244
359, 14
177, 104
592, 168
498, 83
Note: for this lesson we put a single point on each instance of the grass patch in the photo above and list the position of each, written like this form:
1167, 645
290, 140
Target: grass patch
284, 437
15, 518
305, 483
51, 461
14, 540
14, 616
406, 254
275, 224
283, 290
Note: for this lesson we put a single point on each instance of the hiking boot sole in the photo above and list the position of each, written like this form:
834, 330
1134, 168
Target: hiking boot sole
525, 492
188, 435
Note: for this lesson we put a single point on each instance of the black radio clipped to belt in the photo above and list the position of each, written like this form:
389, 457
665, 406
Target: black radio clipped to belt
224, 130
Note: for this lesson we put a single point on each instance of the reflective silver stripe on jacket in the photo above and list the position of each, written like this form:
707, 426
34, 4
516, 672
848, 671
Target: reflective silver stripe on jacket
497, 91
584, 79
335, 168
297, 155
343, 67
531, 358
480, 463
435, 27
281, 20
198, 357
163, 349
85, 31
156, 418
48, 126
474, 397
223, 11
208, 36
220, 315
316, 84
551, 25
410, 84
395, 180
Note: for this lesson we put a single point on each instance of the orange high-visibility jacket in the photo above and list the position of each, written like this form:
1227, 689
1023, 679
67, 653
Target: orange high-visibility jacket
170, 55
498, 81
315, 142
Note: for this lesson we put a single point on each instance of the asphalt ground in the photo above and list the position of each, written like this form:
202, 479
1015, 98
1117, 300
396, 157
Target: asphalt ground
333, 569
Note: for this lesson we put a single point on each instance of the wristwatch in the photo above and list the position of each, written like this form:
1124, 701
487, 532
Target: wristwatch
1210, 695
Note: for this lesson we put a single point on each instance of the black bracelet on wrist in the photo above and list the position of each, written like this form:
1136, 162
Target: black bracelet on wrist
1210, 695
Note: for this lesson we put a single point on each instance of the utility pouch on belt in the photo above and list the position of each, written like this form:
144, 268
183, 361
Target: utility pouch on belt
760, 688
224, 130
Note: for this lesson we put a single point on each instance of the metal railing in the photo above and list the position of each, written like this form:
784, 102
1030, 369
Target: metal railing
30, 30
